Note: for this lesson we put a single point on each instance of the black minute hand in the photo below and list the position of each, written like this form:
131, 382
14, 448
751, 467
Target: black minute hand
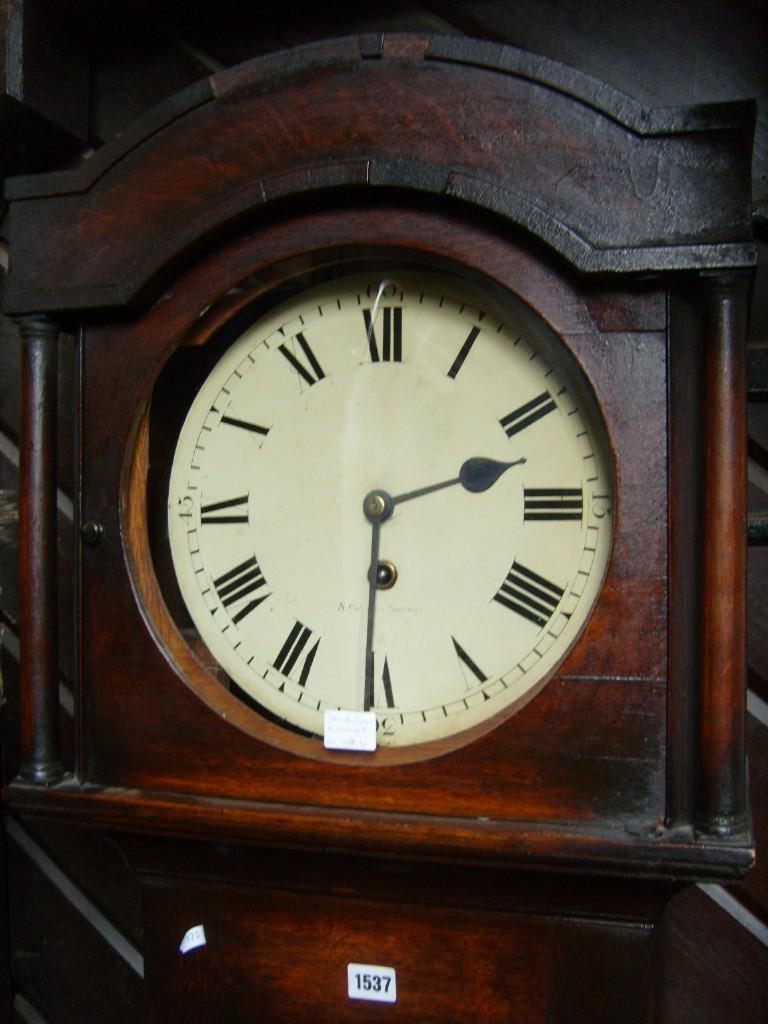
368, 688
476, 475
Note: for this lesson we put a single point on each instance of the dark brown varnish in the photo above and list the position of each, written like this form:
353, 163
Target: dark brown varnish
523, 873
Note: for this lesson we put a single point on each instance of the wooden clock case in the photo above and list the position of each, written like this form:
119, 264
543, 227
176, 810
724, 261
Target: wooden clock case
628, 231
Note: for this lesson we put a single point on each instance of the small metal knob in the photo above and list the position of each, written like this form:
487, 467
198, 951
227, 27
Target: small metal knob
92, 532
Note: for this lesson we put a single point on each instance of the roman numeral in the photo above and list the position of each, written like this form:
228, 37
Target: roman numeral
238, 583
245, 425
312, 373
529, 594
292, 650
391, 334
463, 352
386, 682
212, 514
552, 504
470, 664
527, 414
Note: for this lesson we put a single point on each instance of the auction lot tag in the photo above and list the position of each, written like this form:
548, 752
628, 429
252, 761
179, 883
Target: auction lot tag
372, 982
349, 730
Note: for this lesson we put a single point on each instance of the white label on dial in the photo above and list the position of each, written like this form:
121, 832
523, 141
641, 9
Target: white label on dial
372, 982
349, 730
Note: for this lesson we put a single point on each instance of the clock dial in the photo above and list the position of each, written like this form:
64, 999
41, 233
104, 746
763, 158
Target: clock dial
392, 492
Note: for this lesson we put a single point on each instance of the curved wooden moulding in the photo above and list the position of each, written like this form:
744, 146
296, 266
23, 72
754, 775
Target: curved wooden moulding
609, 184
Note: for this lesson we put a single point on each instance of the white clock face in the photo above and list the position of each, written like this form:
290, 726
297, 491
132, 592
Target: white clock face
390, 384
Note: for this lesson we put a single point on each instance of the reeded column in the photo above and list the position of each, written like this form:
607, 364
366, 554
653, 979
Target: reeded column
721, 781
41, 762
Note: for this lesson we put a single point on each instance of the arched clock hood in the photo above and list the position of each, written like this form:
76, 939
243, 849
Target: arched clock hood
609, 184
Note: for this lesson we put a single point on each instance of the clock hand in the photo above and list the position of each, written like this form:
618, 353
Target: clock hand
476, 475
376, 507
368, 689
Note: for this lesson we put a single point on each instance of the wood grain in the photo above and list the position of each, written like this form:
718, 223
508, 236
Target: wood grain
458, 119
722, 796
38, 596
714, 969
451, 964
610, 681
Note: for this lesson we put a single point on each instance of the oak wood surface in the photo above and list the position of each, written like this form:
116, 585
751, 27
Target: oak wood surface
598, 184
38, 592
716, 968
451, 964
536, 766
590, 748
721, 803
637, 852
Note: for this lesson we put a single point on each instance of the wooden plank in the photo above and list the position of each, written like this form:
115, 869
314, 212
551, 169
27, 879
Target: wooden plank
54, 948
282, 956
95, 865
753, 890
714, 970
374, 878
757, 618
639, 852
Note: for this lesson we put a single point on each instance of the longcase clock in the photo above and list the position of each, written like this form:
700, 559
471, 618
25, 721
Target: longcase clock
410, 514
